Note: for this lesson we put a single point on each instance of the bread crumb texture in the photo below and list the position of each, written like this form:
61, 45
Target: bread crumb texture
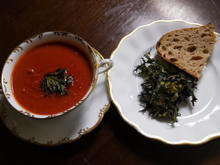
189, 48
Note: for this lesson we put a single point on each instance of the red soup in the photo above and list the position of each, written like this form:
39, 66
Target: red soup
31, 67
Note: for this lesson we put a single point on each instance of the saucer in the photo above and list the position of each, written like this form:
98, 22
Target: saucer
196, 125
63, 129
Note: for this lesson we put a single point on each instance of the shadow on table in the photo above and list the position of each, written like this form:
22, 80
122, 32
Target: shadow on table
16, 151
112, 142
142, 149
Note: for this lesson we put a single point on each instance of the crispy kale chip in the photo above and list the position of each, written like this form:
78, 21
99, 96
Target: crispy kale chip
164, 87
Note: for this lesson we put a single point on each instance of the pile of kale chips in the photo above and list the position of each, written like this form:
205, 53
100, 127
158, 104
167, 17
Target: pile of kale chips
164, 88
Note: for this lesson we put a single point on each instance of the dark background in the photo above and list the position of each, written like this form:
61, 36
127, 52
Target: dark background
102, 23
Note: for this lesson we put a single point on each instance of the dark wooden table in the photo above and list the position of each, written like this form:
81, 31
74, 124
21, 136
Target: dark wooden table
102, 23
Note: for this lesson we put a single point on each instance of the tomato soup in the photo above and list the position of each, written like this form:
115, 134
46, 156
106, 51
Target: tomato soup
34, 64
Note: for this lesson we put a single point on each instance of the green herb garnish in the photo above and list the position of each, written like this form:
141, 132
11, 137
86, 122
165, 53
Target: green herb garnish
164, 88
56, 82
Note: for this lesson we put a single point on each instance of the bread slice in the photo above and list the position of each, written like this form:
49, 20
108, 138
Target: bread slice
189, 48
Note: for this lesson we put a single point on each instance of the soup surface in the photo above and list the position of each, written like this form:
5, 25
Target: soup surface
35, 63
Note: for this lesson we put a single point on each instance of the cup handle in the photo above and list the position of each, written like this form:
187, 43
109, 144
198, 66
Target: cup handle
105, 65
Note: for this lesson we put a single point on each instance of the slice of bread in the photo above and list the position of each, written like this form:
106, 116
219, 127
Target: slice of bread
189, 48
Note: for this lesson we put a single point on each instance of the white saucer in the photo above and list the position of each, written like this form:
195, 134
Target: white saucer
64, 129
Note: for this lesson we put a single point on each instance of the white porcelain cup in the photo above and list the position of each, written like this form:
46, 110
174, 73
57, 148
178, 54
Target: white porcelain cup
47, 37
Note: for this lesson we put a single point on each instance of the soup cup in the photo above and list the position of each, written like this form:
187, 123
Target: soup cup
44, 38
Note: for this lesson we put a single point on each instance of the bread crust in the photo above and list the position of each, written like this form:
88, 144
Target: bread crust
179, 65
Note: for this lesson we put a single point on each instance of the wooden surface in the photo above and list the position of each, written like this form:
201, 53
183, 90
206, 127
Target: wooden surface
102, 23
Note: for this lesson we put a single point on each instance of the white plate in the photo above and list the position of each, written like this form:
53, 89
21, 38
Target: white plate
195, 125
64, 129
